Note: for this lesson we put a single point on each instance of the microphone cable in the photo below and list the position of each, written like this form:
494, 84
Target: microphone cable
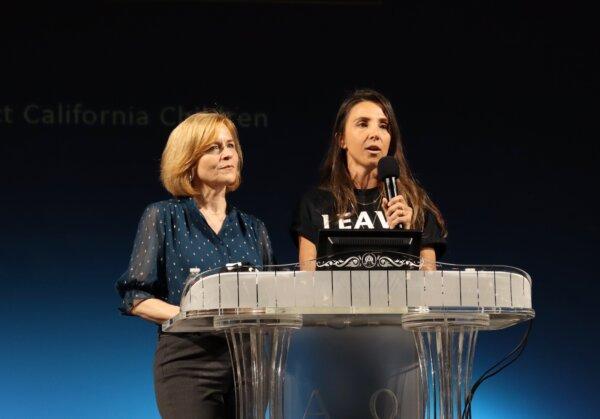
495, 369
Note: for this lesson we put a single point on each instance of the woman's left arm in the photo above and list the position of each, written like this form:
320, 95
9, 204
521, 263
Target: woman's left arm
428, 261
265, 244
398, 212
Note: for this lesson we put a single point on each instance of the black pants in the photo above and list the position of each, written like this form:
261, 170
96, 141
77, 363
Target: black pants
193, 378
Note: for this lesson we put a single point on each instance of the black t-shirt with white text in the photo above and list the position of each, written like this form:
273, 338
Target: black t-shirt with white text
316, 212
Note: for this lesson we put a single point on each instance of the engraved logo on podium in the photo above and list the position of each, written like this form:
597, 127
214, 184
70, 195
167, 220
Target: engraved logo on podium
368, 261
375, 398
315, 407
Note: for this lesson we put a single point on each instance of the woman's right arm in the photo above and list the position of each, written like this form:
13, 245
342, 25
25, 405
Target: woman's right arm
306, 224
155, 310
142, 285
307, 253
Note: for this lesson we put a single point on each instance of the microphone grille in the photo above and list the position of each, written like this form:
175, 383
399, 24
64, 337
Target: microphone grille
387, 167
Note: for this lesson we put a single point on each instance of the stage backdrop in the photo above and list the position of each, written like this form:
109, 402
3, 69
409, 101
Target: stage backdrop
494, 103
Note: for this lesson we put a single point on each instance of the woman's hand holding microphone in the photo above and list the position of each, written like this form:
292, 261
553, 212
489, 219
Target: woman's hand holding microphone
398, 212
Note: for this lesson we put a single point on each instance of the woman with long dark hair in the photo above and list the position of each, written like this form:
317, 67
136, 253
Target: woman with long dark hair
349, 194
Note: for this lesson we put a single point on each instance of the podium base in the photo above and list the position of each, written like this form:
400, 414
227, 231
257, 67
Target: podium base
446, 347
258, 345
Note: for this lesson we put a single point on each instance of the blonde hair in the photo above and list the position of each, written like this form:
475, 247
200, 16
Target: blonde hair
187, 142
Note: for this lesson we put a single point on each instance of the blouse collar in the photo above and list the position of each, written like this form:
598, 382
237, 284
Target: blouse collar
198, 219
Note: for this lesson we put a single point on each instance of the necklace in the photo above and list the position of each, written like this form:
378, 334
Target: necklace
218, 216
210, 214
364, 204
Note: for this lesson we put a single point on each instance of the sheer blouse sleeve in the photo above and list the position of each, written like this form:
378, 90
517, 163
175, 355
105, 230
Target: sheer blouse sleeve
145, 276
265, 244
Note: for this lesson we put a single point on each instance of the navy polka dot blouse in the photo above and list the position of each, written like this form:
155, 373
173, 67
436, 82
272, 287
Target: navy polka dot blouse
173, 236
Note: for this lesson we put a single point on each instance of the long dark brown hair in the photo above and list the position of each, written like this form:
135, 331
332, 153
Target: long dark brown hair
336, 179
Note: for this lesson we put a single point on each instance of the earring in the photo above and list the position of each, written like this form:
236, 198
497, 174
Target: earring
191, 176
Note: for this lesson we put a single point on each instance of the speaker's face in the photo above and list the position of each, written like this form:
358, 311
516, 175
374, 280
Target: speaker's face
366, 137
219, 165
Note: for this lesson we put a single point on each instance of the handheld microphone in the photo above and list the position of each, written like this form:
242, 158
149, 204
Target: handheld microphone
388, 172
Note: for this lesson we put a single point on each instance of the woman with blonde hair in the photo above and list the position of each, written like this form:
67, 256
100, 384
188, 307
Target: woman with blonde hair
201, 162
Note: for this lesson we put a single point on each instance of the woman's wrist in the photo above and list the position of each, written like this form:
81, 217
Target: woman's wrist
155, 310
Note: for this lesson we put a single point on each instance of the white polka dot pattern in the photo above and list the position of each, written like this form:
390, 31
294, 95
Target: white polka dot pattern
173, 237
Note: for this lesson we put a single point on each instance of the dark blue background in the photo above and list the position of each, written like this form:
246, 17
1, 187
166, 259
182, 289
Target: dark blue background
497, 106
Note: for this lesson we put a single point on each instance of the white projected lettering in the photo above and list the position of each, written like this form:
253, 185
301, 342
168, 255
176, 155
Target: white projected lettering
81, 114
172, 115
78, 114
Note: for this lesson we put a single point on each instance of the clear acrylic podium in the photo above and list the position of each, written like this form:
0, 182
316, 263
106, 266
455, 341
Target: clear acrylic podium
442, 309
